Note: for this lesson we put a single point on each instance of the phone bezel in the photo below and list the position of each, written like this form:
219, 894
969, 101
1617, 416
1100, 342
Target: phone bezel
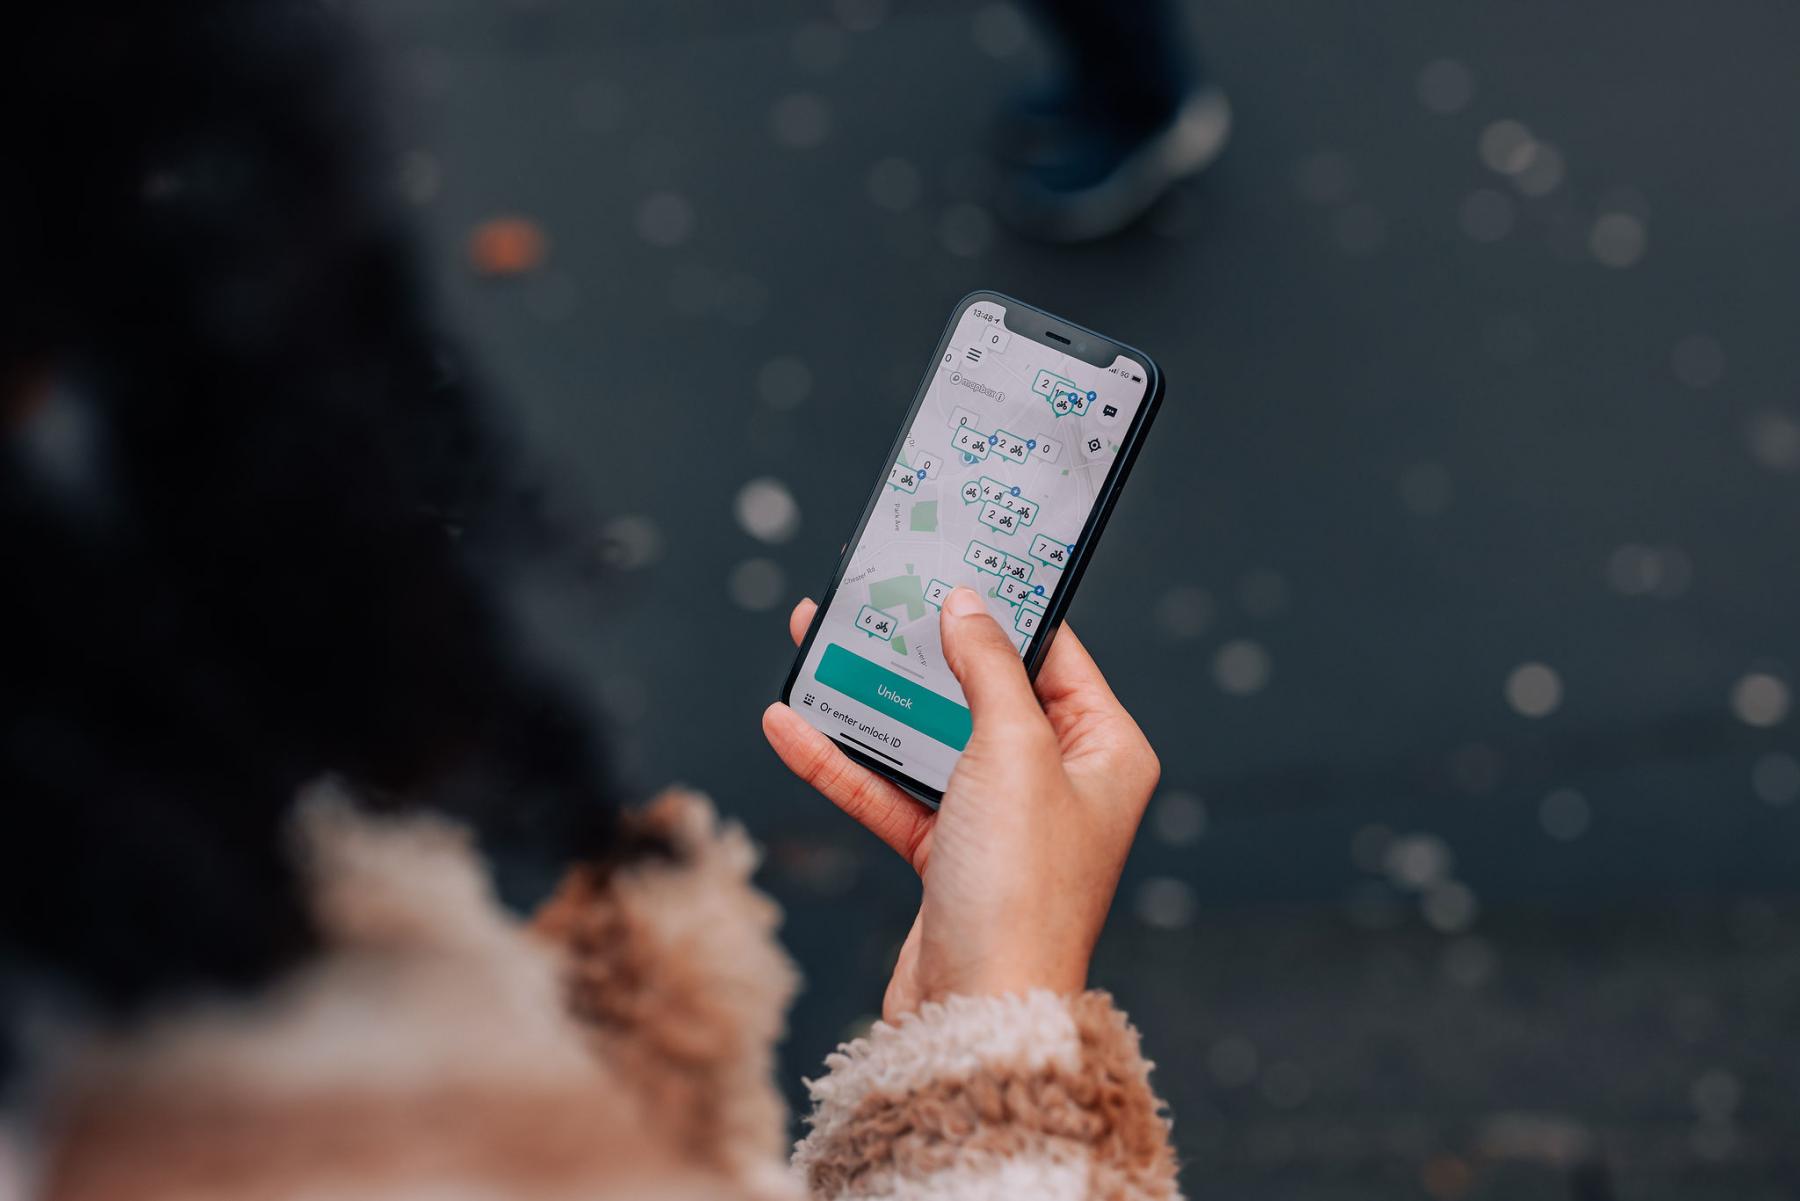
1036, 329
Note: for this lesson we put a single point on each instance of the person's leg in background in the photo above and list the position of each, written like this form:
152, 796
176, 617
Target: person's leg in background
1132, 115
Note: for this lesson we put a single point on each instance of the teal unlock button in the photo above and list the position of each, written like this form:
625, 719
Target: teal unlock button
906, 701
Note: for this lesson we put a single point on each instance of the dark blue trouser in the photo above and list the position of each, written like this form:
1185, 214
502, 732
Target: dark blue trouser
1127, 59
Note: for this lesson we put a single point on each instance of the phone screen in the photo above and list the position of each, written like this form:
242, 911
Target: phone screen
1002, 465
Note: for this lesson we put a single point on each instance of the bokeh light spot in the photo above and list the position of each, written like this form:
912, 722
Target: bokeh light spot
1325, 177
1485, 215
1000, 30
1449, 907
1445, 86
1241, 667
1470, 962
756, 584
1775, 778
1232, 1061
630, 542
1415, 861
860, 16
1760, 699
1184, 611
1178, 818
1698, 361
1659, 571
801, 120
1618, 239
1165, 903
1534, 690
420, 176
818, 47
507, 246
784, 382
1507, 147
1542, 174
767, 510
1564, 814
966, 230
894, 184
1426, 488
1774, 440
665, 219
1263, 593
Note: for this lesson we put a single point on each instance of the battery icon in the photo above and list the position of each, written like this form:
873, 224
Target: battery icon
1137, 379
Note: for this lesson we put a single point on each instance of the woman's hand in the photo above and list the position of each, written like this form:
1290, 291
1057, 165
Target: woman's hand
1021, 861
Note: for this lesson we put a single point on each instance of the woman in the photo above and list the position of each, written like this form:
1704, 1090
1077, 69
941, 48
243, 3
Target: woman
620, 1044
255, 515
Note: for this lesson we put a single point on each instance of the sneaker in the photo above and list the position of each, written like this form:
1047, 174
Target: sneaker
1095, 181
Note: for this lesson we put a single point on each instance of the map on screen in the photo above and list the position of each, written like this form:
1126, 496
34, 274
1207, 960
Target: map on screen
994, 482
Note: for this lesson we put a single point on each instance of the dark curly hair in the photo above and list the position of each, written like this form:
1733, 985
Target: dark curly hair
250, 504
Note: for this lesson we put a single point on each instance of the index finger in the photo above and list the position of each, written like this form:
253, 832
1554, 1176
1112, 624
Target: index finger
800, 620
878, 804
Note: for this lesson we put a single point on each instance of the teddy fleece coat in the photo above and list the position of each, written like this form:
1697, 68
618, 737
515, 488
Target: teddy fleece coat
618, 1045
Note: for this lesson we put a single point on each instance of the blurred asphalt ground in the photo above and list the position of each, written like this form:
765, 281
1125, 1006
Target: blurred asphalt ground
1442, 404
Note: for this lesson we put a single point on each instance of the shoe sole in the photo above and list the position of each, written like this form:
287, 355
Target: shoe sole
1190, 144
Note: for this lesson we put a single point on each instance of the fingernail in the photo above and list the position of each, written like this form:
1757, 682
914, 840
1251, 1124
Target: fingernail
962, 602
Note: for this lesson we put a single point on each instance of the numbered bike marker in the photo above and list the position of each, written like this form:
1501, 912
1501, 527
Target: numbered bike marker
971, 442
1012, 446
1026, 622
903, 478
926, 465
1013, 592
1064, 395
1047, 382
999, 519
1018, 570
1048, 550
875, 623
983, 557
935, 592
1048, 449
960, 416
971, 493
1023, 507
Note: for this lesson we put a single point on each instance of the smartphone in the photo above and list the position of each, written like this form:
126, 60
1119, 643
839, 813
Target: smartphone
1006, 468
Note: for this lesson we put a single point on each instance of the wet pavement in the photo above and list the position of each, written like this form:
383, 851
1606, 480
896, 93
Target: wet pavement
1455, 587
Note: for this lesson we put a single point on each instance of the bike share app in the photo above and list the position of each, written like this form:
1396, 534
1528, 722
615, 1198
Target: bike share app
995, 481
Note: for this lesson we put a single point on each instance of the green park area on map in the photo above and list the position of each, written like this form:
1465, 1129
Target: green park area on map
900, 591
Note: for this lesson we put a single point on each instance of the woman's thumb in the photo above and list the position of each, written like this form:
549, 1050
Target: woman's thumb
986, 662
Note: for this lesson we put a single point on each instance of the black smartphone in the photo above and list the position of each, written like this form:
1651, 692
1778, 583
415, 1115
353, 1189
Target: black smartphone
1004, 473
